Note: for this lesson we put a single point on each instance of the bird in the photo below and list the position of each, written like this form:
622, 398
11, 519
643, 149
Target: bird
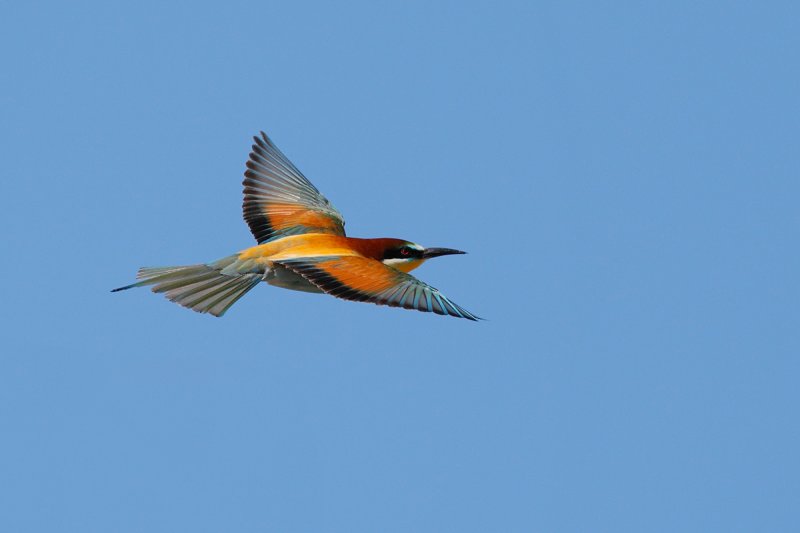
301, 246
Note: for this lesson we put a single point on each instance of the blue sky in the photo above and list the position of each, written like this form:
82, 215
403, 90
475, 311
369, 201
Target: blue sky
624, 176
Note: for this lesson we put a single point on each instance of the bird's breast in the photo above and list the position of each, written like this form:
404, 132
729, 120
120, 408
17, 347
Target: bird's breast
280, 276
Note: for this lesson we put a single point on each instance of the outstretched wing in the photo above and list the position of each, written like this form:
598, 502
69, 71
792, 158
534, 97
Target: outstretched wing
366, 280
280, 201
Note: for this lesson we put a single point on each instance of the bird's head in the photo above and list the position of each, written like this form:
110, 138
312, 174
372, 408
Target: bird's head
406, 256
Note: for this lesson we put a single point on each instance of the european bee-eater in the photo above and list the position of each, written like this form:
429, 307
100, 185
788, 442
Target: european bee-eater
301, 246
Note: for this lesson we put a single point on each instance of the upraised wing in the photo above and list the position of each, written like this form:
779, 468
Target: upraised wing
280, 201
362, 279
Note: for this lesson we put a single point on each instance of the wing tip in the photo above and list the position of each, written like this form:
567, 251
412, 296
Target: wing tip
463, 313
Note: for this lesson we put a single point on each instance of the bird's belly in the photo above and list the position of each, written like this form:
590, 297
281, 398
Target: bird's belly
280, 276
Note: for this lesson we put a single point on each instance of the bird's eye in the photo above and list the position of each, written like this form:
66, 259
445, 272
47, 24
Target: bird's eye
405, 251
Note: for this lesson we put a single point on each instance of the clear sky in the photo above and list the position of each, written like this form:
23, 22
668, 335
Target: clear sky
623, 175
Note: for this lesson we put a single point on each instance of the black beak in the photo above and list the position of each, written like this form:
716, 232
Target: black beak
436, 252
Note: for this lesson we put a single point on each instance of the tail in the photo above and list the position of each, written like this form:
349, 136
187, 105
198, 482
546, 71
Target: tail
201, 288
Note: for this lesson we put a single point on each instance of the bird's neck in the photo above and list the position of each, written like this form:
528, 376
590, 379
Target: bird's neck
372, 248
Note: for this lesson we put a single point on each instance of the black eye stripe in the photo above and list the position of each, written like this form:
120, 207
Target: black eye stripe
403, 252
